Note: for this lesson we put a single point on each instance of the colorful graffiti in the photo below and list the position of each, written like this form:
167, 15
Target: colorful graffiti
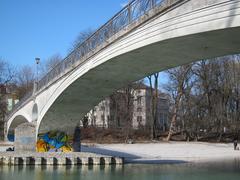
54, 142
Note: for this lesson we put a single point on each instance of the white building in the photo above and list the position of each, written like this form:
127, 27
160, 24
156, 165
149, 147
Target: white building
106, 115
142, 108
100, 115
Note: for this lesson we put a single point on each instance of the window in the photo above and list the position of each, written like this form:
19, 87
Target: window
103, 108
165, 118
139, 109
102, 117
163, 102
118, 121
103, 120
139, 119
3, 89
139, 100
161, 117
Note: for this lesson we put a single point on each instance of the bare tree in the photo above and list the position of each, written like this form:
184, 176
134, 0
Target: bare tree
121, 104
6, 77
84, 121
179, 77
218, 83
206, 98
154, 103
25, 80
6, 72
82, 36
49, 64
128, 100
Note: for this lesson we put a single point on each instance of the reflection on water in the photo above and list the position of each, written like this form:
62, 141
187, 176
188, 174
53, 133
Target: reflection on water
218, 170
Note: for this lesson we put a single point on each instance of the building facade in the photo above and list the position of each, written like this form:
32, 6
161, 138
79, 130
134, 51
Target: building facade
135, 109
142, 108
100, 115
8, 98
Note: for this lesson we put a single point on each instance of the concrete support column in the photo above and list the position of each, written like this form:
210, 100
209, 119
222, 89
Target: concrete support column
71, 161
25, 161
108, 160
84, 161
38, 161
96, 161
50, 161
119, 160
17, 161
78, 160
62, 161
12, 161
7, 161
30, 160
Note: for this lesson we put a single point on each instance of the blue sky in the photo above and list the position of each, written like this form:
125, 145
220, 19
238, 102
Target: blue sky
42, 28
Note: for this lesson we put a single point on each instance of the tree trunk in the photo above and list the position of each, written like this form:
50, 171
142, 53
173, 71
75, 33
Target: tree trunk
174, 117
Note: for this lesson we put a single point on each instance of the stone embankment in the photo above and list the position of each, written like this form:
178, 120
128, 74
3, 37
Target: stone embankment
27, 158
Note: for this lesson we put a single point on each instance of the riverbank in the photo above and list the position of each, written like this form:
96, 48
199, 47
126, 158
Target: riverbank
162, 152
4, 146
172, 152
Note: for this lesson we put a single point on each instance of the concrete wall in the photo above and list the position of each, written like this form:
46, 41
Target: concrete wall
25, 137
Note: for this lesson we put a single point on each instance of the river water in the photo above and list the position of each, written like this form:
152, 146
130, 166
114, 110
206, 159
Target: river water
217, 170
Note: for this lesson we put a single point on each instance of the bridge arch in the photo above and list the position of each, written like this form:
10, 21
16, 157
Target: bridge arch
190, 31
185, 34
19, 119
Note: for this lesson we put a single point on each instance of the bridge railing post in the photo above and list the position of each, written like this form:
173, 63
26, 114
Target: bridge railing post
35, 87
169, 3
129, 14
152, 4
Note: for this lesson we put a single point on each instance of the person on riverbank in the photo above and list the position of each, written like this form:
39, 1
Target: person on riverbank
235, 143
77, 139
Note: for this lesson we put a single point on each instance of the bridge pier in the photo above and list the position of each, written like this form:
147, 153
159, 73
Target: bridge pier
96, 160
61, 161
39, 161
84, 161
52, 161
25, 137
118, 160
108, 160
18, 161
70, 159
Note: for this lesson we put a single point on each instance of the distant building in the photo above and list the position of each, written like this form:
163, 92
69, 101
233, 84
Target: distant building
100, 115
8, 99
142, 108
112, 112
9, 96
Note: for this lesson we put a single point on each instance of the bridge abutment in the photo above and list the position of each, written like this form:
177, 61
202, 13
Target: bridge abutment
25, 137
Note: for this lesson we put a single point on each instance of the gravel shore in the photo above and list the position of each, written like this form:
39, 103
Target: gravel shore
167, 152
172, 152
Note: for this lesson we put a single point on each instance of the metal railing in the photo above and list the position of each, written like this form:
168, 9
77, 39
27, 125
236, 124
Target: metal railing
128, 15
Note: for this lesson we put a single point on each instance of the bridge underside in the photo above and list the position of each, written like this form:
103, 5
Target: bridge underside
17, 121
100, 82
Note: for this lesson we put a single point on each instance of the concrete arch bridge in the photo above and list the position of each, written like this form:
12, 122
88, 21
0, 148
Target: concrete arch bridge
147, 36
